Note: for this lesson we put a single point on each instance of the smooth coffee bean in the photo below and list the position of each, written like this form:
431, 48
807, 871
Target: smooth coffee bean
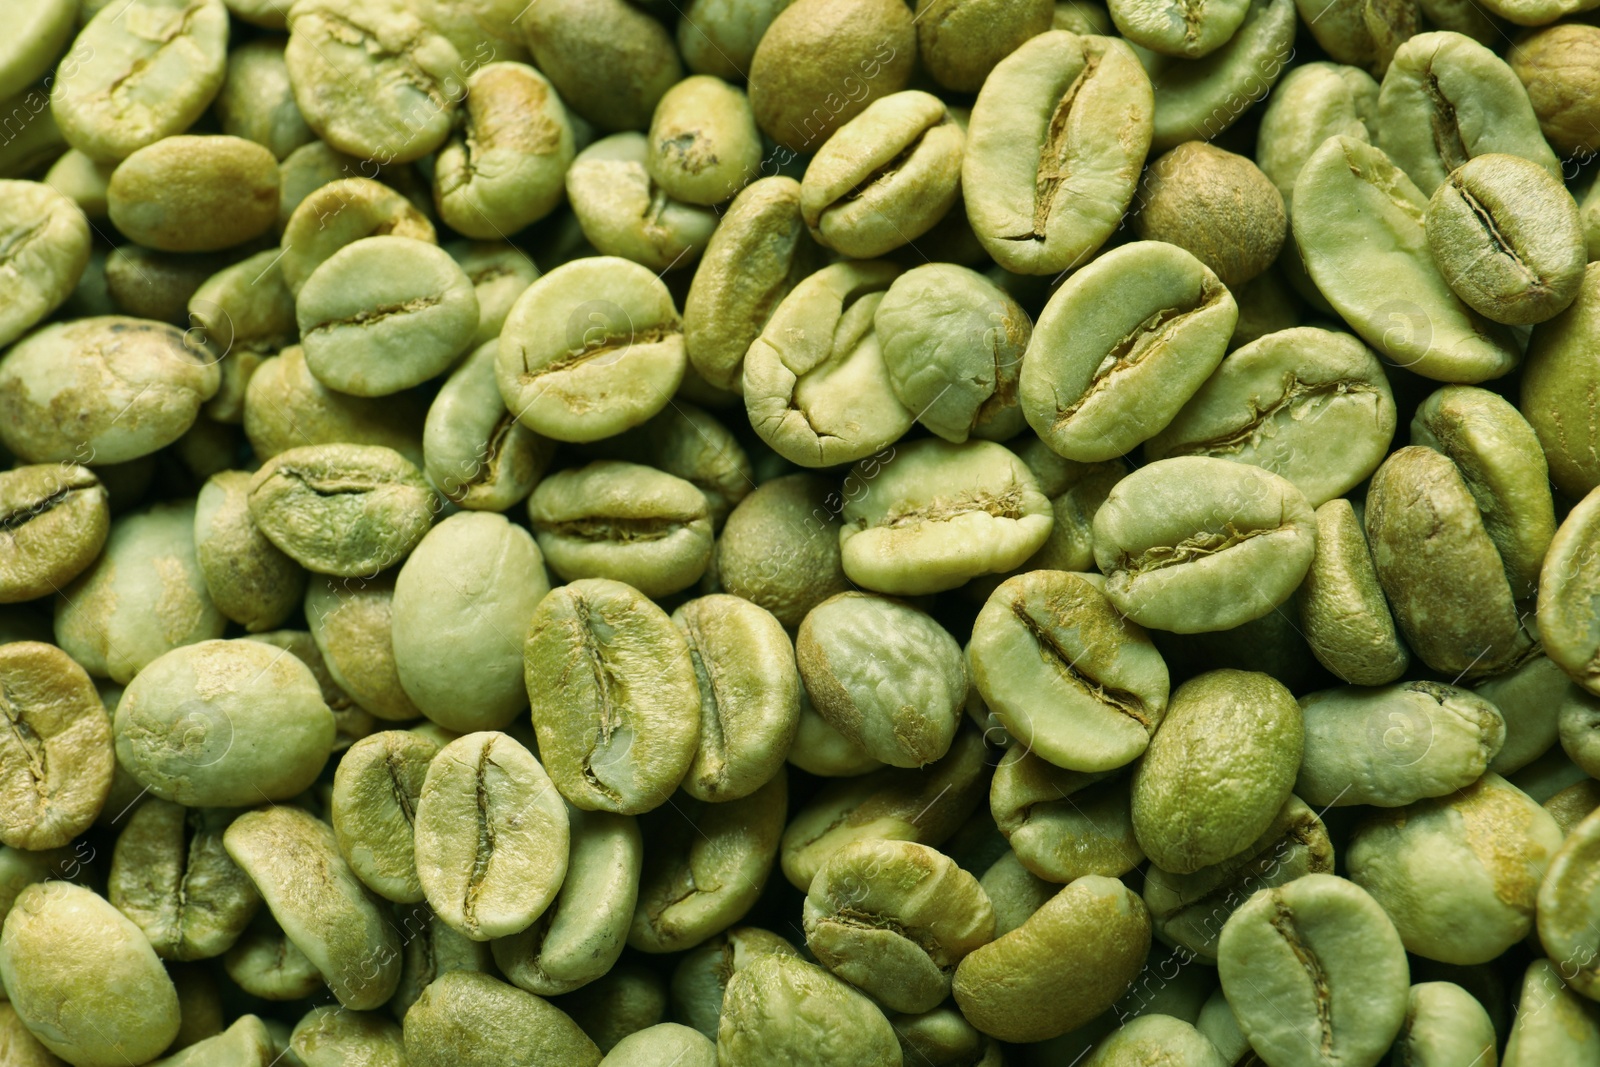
1104, 373
689, 443
1566, 909
248, 578
343, 510
444, 1028
224, 724
246, 1043
1571, 573
894, 919
624, 213
820, 749
1553, 1023
1172, 29
373, 810
45, 253
580, 935
352, 624
1438, 566
625, 522
55, 519
1390, 746
960, 41
171, 876
491, 836
327, 913
340, 213
1555, 383
1534, 697
195, 194
1314, 971
572, 39
1063, 824
55, 755
150, 69
1056, 141
1359, 225
937, 514
1218, 770
240, 317
1313, 102
1507, 238
286, 406
1309, 404
1367, 35
256, 101
1066, 674
1196, 544
1445, 1024
1014, 891
592, 348
1458, 874
108, 1000
1076, 491
1066, 964
328, 1036
615, 703
782, 1010
630, 998
1195, 100
477, 453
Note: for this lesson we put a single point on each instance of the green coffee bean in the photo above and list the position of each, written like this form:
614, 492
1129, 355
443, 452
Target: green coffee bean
1063, 824
195, 194
373, 810
44, 249
782, 1010
56, 519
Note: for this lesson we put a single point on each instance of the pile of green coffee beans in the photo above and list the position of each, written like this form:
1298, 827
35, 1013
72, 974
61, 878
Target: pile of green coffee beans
799, 533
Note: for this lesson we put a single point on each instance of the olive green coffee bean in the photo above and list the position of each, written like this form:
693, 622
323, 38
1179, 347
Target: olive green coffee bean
1567, 908
1507, 238
1438, 566
580, 935
307, 169
626, 522
1154, 1036
1390, 746
461, 601
224, 724
256, 101
375, 81
1578, 725
1076, 491
285, 406
1313, 102
1553, 65
782, 1010
663, 1043
623, 212
689, 443
703, 974
491, 836
1218, 770
1368, 34
1315, 973
171, 876
937, 514
1067, 676
322, 906
1553, 1023
1014, 892
1063, 824
1558, 377
719, 37
815, 385
960, 41
159, 285
343, 510
104, 1002
56, 774
1539, 704
925, 805
1569, 806
195, 193
780, 547
148, 70
147, 570
352, 623
330, 1036
81, 180
505, 167
131, 385
40, 33
1571, 574
433, 949
705, 866
885, 177
757, 255
1458, 874
894, 919
1175, 30
56, 518
1446, 99
1350, 196
246, 1043
44, 250
953, 344
1196, 544
1054, 148
477, 454
615, 702
445, 1027
749, 695
248, 578
573, 39
1216, 205
1309, 404
240, 317
499, 272
592, 348
1190, 910
822, 62
1105, 372
885, 675
342, 212
1445, 1024
1197, 99
703, 143
1500, 460
820, 749
385, 313
373, 810
1066, 964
